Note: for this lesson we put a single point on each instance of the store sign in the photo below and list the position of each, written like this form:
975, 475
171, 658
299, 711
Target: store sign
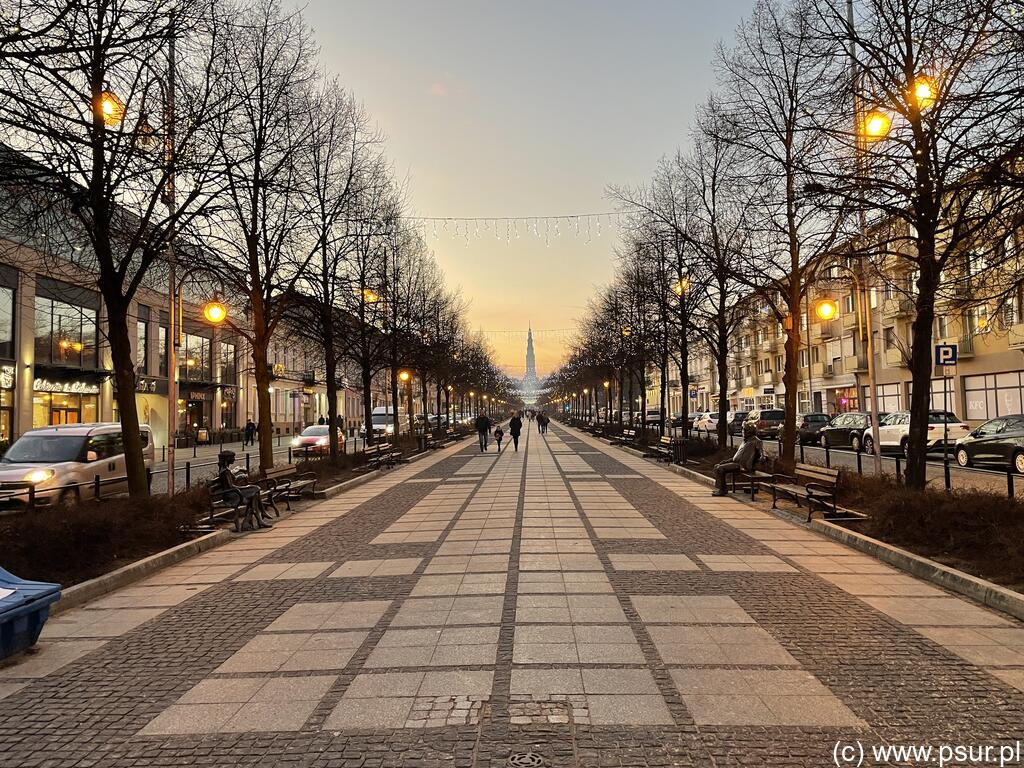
278, 369
66, 387
145, 385
6, 377
193, 395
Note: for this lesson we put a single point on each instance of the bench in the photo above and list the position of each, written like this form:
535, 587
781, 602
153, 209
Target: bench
229, 502
665, 450
23, 612
287, 483
381, 456
815, 485
627, 437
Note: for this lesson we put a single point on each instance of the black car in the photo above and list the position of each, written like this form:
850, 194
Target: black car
735, 426
846, 430
998, 441
767, 422
809, 425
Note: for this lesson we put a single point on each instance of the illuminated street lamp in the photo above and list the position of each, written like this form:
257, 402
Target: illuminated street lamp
826, 309
681, 286
924, 92
215, 312
110, 107
876, 125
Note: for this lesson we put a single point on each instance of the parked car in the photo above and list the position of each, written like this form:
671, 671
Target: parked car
808, 425
736, 419
316, 439
894, 431
63, 462
384, 423
706, 422
846, 430
997, 441
767, 422
652, 416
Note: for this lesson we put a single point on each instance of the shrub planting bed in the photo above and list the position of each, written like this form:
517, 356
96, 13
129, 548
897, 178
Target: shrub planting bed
978, 532
71, 544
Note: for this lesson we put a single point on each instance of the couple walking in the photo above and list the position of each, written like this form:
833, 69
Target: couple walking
483, 431
542, 423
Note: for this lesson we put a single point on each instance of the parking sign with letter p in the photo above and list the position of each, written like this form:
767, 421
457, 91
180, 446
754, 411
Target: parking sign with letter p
945, 355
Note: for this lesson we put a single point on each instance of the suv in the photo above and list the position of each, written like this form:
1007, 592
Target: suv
63, 462
894, 431
767, 422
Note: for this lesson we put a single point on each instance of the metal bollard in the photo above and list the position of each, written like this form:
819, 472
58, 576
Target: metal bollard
149, 478
246, 463
860, 469
1009, 483
828, 457
32, 496
945, 472
163, 453
195, 447
96, 487
897, 458
188, 474
802, 454
289, 454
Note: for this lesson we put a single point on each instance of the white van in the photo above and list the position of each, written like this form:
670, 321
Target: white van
62, 462
384, 421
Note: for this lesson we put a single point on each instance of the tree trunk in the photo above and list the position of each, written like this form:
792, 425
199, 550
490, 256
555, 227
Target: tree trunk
684, 374
722, 361
124, 393
791, 375
331, 366
921, 374
366, 376
664, 388
395, 420
264, 421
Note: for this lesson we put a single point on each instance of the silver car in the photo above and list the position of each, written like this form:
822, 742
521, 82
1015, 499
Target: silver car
63, 462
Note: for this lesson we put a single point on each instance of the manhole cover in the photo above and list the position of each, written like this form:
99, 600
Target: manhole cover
525, 760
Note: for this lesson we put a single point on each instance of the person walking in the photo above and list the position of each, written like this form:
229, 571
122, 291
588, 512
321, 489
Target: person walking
515, 427
483, 430
499, 434
745, 459
249, 434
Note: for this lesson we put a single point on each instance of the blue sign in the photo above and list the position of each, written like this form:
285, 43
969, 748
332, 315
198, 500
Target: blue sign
945, 354
693, 394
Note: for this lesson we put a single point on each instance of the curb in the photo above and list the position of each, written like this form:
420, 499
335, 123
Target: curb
108, 582
984, 592
973, 587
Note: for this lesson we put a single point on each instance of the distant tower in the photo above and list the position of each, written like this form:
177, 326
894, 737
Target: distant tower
531, 359
530, 382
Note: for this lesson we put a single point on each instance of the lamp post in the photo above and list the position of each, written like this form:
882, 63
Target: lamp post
826, 309
448, 405
406, 378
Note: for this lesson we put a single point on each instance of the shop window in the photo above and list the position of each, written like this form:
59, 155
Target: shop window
226, 365
195, 363
992, 395
142, 347
65, 333
161, 349
6, 323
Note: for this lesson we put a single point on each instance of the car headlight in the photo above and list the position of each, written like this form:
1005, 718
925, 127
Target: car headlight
390, 429
296, 442
322, 441
37, 476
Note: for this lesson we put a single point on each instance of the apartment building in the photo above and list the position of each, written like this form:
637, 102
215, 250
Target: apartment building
987, 382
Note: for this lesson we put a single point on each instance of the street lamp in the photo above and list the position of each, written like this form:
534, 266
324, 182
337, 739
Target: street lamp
406, 378
215, 312
110, 107
876, 125
586, 399
923, 92
607, 404
827, 308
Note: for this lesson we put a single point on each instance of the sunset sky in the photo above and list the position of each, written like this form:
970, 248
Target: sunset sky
524, 108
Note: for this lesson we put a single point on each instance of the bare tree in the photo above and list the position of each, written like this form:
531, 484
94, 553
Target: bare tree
933, 154
105, 133
259, 232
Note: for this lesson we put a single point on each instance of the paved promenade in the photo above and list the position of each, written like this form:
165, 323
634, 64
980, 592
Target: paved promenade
568, 601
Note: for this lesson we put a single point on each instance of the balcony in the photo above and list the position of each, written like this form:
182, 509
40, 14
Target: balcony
828, 329
849, 320
855, 363
897, 307
748, 381
1015, 336
829, 370
894, 358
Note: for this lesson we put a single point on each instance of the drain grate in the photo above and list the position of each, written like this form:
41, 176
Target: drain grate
525, 760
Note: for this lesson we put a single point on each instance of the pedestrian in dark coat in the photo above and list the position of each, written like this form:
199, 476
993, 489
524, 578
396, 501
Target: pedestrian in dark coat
515, 427
483, 430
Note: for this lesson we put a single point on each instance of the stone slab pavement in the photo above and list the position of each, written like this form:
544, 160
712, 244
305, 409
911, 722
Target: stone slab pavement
564, 605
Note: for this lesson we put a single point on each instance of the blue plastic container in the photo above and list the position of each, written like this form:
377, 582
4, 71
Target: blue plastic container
23, 613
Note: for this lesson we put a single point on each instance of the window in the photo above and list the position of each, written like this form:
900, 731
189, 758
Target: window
161, 349
6, 323
65, 333
888, 397
142, 347
976, 263
848, 304
977, 320
195, 363
889, 338
943, 327
780, 362
803, 358
815, 354
992, 395
226, 364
